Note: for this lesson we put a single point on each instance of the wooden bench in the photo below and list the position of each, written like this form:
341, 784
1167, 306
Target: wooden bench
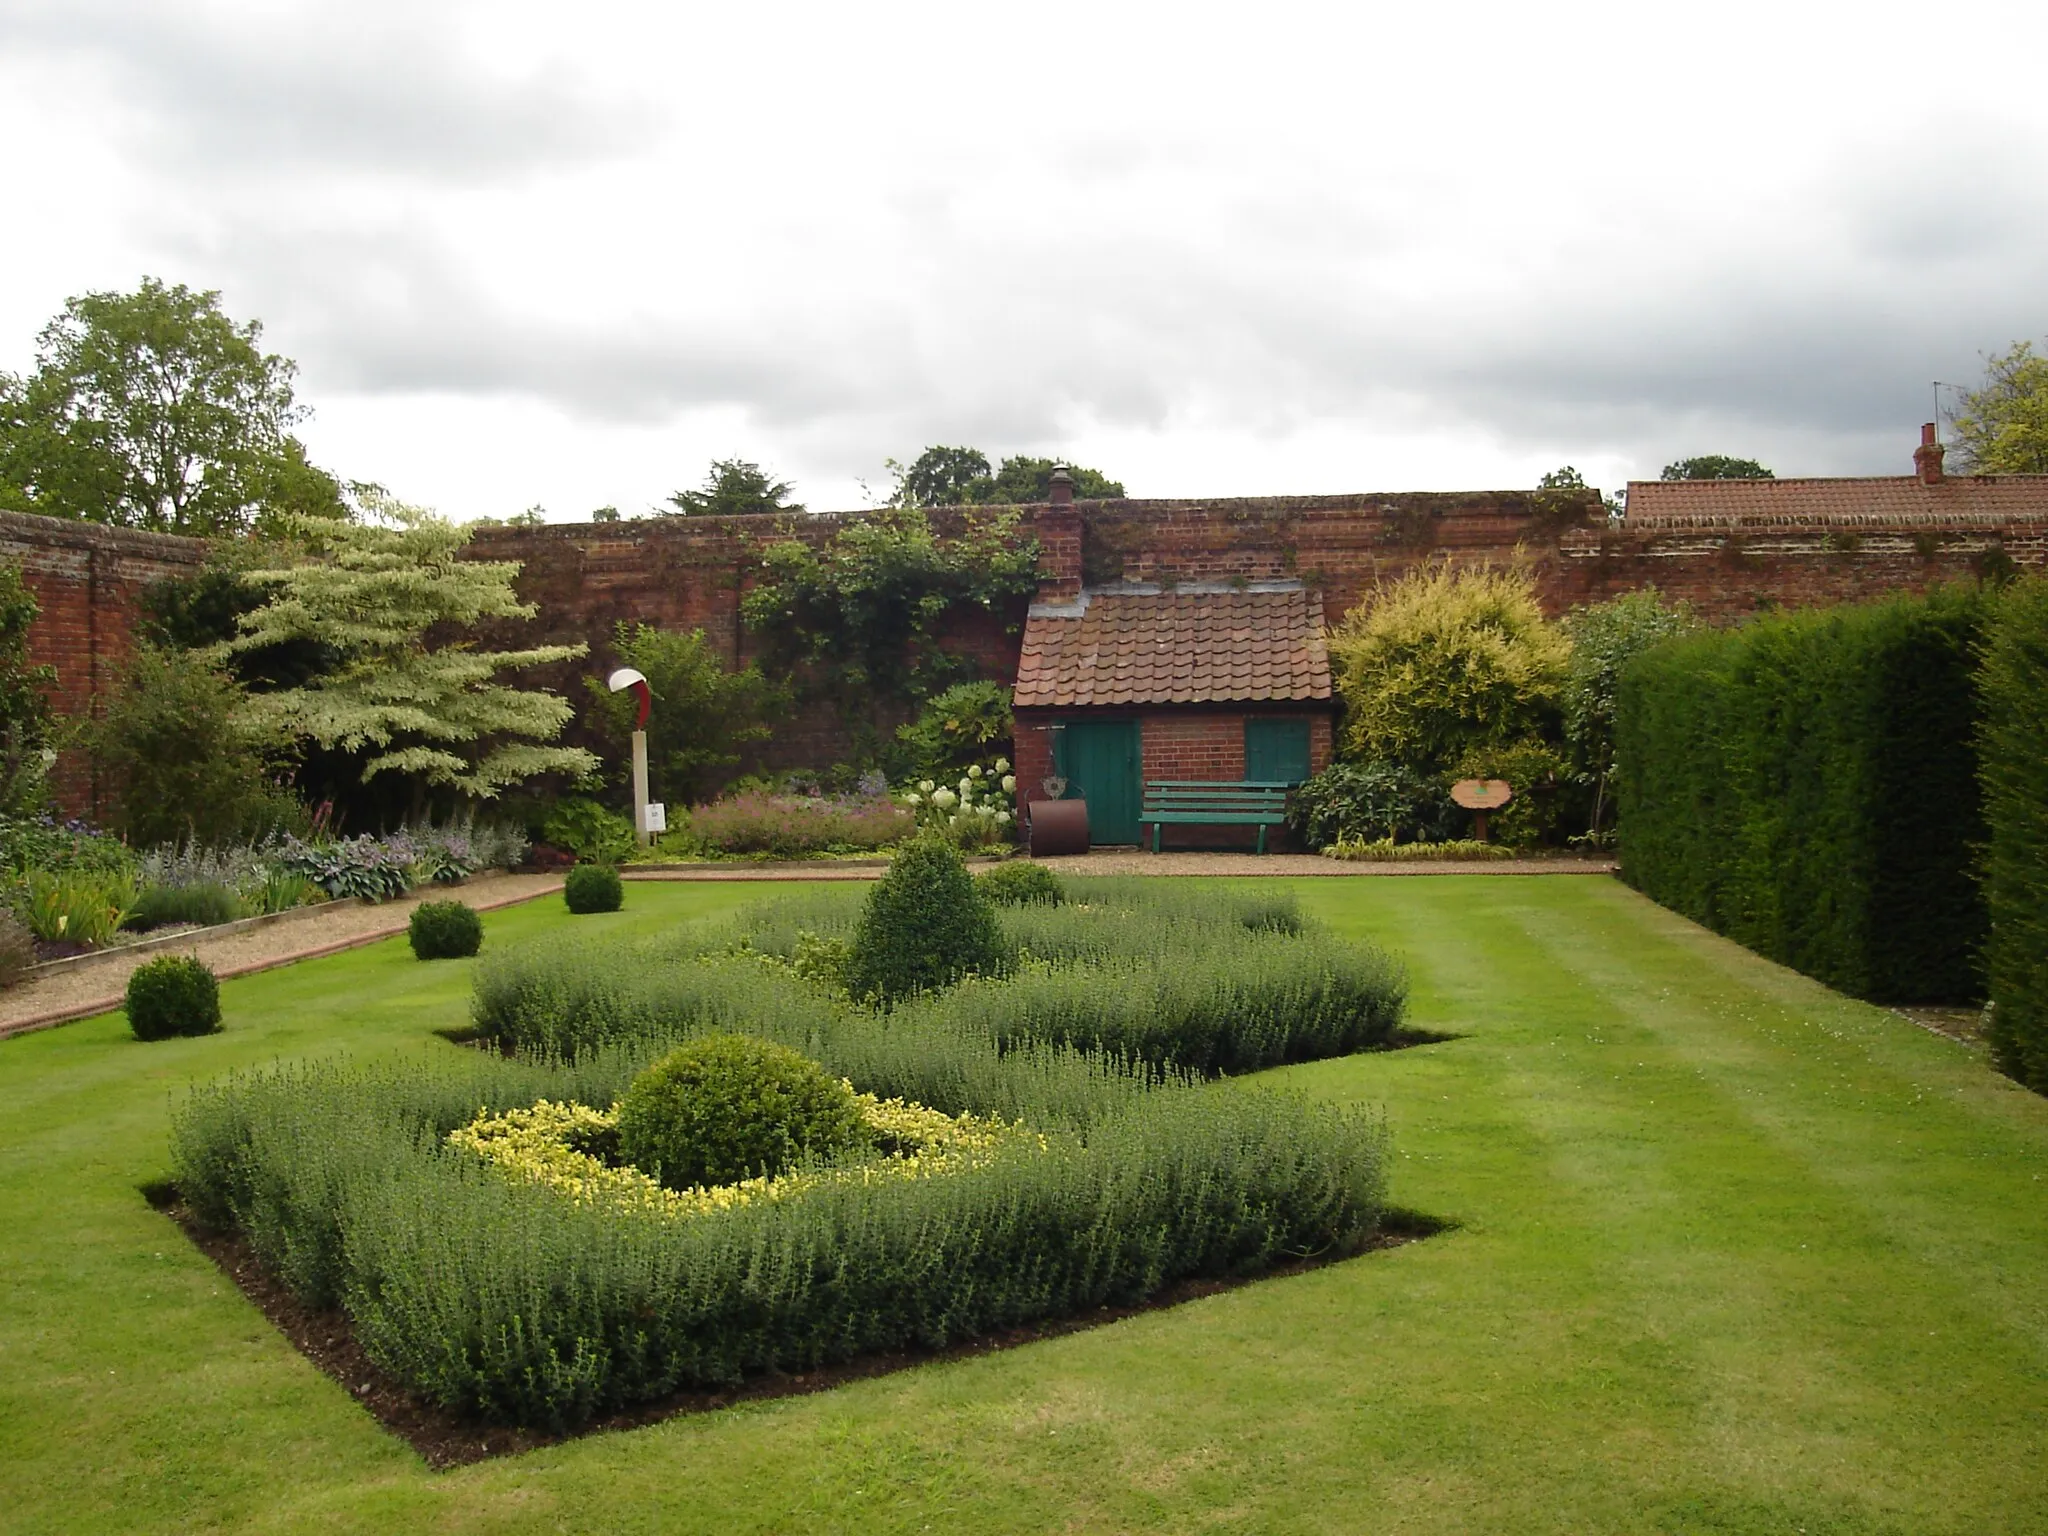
1191, 803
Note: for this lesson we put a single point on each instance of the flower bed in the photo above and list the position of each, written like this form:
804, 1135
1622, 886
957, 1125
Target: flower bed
495, 1254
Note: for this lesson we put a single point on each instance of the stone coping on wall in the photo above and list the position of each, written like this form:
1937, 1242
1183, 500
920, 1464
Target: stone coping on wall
35, 528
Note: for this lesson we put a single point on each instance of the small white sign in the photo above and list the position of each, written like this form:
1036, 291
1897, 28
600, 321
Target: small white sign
657, 816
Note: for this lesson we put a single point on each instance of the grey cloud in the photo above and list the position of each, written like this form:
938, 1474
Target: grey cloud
1815, 358
365, 89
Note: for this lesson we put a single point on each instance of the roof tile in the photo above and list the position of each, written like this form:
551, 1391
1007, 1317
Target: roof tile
1176, 647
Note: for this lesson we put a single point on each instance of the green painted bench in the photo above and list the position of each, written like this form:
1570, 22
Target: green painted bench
1192, 803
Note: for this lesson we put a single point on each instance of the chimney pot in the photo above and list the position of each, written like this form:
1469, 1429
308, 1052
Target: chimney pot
1062, 486
1927, 457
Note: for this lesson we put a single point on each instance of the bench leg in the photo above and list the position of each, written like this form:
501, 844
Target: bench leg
1157, 831
1262, 837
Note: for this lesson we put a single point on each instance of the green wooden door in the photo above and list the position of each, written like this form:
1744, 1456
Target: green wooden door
1102, 767
1276, 750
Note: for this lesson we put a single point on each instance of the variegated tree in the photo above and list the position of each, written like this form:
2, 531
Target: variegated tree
370, 592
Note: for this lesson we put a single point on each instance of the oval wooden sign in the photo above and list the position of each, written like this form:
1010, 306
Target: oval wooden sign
1482, 794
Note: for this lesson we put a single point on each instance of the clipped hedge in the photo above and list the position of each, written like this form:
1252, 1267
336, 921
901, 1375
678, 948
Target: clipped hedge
509, 1302
1196, 979
2014, 767
1807, 786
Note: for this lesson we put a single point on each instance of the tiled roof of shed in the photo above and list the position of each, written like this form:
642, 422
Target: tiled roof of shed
1880, 498
1175, 648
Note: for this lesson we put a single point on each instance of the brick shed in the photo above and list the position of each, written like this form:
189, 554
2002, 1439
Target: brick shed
1127, 682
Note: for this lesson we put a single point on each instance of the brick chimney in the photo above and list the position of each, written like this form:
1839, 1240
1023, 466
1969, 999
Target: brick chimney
1059, 543
1927, 457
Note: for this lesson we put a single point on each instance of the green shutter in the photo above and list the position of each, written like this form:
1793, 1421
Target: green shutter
1276, 750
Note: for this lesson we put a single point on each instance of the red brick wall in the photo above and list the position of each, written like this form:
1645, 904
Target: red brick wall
693, 571
87, 580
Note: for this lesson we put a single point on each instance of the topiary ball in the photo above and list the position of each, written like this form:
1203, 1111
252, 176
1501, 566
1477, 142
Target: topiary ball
1018, 884
728, 1107
926, 924
445, 930
594, 888
173, 995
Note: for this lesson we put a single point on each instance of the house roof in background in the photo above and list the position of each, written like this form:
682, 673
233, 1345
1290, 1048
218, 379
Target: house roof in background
1880, 498
1121, 647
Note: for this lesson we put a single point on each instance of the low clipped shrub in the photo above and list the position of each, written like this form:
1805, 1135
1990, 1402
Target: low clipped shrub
173, 995
594, 888
926, 924
17, 949
1020, 884
164, 906
1385, 852
445, 930
729, 1107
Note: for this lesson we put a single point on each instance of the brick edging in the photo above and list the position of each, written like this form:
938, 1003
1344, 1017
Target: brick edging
87, 1010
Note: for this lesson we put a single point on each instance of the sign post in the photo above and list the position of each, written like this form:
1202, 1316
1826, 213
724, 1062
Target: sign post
619, 682
1480, 796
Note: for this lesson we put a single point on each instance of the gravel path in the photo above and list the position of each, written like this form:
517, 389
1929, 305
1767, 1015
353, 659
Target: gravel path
80, 990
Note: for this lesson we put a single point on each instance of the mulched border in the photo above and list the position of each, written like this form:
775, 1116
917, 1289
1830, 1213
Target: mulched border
445, 1439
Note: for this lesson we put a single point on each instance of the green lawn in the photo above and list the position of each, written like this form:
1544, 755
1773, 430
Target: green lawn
1737, 1254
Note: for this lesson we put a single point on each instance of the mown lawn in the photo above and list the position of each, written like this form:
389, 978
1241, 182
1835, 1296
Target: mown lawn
1736, 1255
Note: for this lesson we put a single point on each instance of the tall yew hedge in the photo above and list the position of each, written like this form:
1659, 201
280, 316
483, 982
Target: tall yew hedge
2014, 743
1807, 785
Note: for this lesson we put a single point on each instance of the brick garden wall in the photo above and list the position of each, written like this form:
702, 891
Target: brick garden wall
87, 580
692, 572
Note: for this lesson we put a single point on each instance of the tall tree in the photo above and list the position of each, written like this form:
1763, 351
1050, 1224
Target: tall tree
734, 487
434, 712
155, 410
2002, 428
961, 477
1024, 479
1716, 466
942, 477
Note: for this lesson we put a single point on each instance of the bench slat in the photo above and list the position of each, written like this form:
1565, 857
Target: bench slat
1260, 803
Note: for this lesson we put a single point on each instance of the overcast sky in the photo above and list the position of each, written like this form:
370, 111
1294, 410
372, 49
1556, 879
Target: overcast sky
568, 254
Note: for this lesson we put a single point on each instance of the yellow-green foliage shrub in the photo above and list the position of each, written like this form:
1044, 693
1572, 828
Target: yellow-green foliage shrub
1444, 661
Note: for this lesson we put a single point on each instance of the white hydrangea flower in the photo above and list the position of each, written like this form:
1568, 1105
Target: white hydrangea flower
966, 785
926, 785
974, 772
1002, 765
1002, 818
1009, 783
914, 798
945, 799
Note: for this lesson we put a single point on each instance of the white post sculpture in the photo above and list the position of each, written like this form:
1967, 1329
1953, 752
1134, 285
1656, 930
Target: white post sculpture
618, 682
